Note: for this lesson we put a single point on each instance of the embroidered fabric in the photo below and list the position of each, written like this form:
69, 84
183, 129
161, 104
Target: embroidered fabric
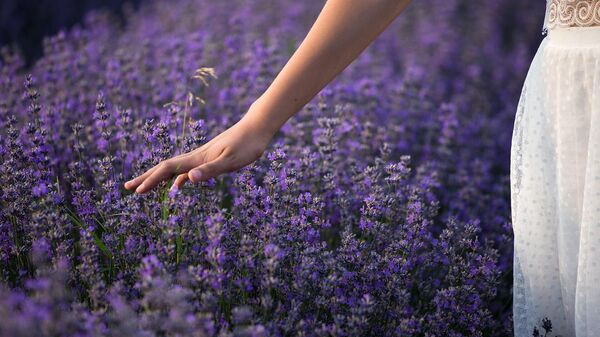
572, 13
521, 291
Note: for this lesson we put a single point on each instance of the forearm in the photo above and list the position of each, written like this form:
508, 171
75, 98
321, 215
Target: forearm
343, 29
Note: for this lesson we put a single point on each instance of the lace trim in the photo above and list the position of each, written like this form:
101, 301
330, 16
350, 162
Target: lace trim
573, 13
521, 294
517, 143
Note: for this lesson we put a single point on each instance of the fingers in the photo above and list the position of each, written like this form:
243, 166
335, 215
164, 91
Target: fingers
134, 183
164, 171
209, 170
190, 162
180, 180
189, 156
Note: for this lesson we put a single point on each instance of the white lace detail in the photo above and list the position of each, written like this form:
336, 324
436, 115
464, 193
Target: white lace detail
517, 142
555, 186
522, 324
573, 13
521, 293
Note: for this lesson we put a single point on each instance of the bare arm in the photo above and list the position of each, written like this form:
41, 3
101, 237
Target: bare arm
343, 29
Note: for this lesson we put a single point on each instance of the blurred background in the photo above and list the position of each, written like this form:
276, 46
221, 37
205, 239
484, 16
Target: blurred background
455, 66
24, 23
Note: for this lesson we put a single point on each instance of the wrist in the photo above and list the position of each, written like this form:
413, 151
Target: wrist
261, 117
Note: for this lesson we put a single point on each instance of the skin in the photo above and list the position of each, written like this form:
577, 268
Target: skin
341, 32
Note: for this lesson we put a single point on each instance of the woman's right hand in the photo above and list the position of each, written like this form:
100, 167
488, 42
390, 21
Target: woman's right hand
234, 148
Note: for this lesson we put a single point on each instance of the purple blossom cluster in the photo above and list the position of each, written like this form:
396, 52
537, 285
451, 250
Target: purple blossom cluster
380, 209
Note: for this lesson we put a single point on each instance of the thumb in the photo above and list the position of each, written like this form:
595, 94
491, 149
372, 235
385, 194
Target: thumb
207, 170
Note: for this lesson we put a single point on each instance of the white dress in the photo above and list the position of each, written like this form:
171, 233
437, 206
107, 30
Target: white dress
555, 178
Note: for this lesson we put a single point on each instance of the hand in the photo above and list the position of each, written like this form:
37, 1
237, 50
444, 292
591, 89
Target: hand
236, 147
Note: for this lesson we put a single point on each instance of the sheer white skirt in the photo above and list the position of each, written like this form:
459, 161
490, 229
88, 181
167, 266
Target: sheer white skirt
555, 187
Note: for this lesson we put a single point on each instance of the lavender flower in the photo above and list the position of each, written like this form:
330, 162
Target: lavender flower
380, 209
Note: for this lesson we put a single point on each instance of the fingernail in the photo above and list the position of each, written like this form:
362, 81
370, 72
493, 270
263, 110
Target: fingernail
140, 188
196, 175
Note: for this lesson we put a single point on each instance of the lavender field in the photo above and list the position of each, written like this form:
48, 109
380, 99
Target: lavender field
381, 209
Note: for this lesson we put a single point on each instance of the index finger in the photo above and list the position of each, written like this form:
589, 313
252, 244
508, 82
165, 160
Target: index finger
165, 170
135, 182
